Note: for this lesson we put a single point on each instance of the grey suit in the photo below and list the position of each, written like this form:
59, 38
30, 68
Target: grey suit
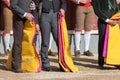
19, 7
49, 23
104, 9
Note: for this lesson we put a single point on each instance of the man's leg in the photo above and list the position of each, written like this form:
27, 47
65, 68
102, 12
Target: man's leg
45, 33
80, 16
17, 45
6, 38
87, 37
88, 26
7, 13
77, 43
101, 28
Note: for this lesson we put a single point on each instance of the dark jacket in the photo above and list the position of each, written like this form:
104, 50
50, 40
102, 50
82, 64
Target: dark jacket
57, 4
19, 7
103, 7
119, 6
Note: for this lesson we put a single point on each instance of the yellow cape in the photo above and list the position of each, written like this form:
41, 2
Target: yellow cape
113, 49
65, 58
30, 58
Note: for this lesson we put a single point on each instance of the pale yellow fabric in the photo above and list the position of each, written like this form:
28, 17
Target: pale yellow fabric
30, 58
113, 52
67, 51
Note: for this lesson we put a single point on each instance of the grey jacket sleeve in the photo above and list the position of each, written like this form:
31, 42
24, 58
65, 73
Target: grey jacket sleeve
16, 9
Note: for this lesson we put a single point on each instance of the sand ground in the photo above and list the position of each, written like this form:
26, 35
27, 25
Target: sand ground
88, 70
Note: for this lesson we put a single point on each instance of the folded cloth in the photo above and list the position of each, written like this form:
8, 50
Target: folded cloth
30, 59
113, 44
65, 57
